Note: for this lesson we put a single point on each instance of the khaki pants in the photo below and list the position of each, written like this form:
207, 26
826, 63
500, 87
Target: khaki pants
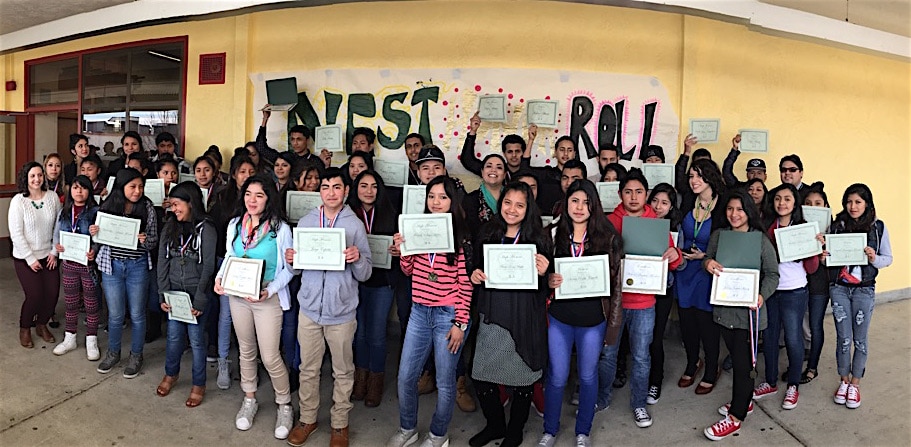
260, 323
313, 339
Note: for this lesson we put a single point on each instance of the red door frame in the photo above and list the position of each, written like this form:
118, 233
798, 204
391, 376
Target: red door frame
25, 127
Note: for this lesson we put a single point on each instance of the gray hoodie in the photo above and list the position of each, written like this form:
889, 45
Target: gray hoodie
331, 297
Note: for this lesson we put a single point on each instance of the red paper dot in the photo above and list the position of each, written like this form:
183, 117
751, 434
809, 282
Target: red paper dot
509, 96
547, 97
456, 89
441, 135
457, 116
557, 120
455, 134
556, 131
500, 90
445, 103
479, 155
521, 99
457, 106
509, 111
477, 88
444, 118
458, 157
486, 141
509, 104
547, 161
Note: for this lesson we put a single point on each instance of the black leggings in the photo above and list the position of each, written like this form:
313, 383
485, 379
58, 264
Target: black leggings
697, 326
738, 343
663, 306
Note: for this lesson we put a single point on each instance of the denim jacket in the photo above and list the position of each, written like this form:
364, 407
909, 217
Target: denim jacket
65, 223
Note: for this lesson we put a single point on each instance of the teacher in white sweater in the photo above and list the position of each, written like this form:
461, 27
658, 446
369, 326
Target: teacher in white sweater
32, 215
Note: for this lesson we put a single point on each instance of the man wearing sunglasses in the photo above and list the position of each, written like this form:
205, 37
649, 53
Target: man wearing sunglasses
791, 169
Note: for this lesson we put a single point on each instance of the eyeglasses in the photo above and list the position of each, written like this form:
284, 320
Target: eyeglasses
791, 170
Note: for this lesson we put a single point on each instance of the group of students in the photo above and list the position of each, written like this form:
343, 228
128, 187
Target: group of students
520, 341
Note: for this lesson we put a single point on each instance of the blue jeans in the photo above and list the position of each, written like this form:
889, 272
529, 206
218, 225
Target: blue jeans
560, 340
370, 337
427, 331
153, 303
127, 285
224, 323
177, 335
641, 325
291, 351
817, 306
785, 311
852, 308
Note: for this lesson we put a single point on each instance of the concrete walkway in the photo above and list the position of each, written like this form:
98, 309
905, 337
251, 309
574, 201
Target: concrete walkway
51, 400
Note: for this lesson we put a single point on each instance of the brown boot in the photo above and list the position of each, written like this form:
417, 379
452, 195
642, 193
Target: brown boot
25, 337
360, 384
463, 398
339, 437
300, 433
374, 389
427, 383
45, 333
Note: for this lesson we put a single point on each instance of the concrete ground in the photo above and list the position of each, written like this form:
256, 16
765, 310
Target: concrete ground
51, 400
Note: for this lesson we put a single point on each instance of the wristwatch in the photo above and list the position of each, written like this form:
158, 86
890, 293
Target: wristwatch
462, 326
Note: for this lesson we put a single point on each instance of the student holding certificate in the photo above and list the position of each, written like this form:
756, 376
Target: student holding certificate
818, 285
512, 324
740, 326
258, 231
853, 289
186, 263
439, 320
80, 282
549, 176
512, 146
481, 205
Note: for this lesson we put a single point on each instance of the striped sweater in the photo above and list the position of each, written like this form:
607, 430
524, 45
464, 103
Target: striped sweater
451, 288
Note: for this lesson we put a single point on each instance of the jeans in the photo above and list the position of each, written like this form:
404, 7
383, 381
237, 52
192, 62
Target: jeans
178, 332
126, 286
153, 304
656, 348
560, 340
817, 304
641, 325
852, 308
785, 309
370, 337
224, 324
402, 292
291, 350
427, 330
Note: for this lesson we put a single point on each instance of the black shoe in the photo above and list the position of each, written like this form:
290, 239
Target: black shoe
727, 364
620, 379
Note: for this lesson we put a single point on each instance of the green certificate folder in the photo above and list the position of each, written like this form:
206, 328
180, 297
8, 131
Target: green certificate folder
645, 236
740, 250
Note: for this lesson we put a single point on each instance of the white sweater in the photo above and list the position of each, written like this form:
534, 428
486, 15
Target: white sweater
32, 230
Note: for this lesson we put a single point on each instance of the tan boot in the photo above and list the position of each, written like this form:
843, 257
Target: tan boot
360, 384
339, 437
427, 383
45, 333
374, 389
463, 398
25, 337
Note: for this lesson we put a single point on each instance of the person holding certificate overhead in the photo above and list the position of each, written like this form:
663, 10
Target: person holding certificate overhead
186, 263
481, 205
512, 323
439, 320
258, 231
740, 326
853, 289
586, 323
788, 304
80, 281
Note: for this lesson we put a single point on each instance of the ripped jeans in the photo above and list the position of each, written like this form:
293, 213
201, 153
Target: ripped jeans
852, 308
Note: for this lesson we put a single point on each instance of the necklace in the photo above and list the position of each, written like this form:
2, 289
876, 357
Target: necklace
700, 220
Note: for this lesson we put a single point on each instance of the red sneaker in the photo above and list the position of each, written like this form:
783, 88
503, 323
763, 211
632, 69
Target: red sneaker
722, 429
790, 398
763, 390
853, 399
723, 410
841, 394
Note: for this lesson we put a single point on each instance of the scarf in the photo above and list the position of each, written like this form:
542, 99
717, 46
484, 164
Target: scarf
488, 198
251, 236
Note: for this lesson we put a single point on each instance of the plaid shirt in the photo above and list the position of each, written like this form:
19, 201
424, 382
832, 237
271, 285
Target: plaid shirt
103, 258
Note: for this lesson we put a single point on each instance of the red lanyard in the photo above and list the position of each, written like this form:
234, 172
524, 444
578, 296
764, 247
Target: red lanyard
322, 219
572, 245
368, 221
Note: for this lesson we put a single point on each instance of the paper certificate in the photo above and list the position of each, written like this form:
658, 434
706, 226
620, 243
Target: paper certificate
319, 248
510, 266
426, 233
609, 192
645, 274
154, 190
754, 140
674, 235
583, 277
181, 307
116, 231
299, 203
797, 242
735, 287
75, 247
492, 108
205, 197
413, 199
844, 249
819, 214
328, 138
656, 173
394, 173
705, 130
542, 113
110, 186
379, 251
243, 277
184, 177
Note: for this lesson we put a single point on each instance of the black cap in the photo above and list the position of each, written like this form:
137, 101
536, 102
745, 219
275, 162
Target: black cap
654, 151
430, 153
755, 163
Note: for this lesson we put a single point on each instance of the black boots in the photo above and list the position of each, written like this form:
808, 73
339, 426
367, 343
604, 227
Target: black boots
518, 415
489, 397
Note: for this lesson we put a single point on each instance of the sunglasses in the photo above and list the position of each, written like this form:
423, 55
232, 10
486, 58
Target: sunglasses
791, 170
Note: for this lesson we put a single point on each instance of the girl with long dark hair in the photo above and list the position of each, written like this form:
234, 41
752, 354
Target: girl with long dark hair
481, 205
759, 193
53, 175
818, 286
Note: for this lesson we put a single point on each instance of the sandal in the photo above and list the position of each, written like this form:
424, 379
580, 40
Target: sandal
196, 395
808, 376
164, 388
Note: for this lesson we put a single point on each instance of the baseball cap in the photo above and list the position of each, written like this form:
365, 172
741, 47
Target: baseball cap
654, 151
430, 153
755, 163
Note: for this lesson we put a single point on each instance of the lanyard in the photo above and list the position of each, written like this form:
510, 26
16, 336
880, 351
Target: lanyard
368, 221
514, 241
56, 184
778, 223
322, 219
754, 338
700, 219
95, 186
74, 217
183, 245
572, 245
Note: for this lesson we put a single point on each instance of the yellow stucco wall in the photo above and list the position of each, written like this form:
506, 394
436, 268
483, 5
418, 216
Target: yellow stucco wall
844, 112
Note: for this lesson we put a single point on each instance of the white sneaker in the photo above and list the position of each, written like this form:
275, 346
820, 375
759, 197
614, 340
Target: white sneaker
642, 417
435, 441
68, 344
284, 419
841, 395
403, 438
244, 419
547, 440
91, 348
583, 441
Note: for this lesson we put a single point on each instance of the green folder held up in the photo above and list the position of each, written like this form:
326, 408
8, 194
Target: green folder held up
740, 250
645, 237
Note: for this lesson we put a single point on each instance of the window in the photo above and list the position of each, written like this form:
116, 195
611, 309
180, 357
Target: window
53, 83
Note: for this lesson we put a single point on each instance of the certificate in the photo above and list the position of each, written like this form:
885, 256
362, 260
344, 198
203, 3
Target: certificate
413, 199
116, 231
97, 198
184, 177
243, 277
319, 248
674, 235
181, 307
299, 203
205, 198
797, 242
328, 138
645, 274
394, 173
705, 129
735, 287
75, 247
492, 108
379, 251
609, 192
542, 113
819, 214
154, 190
426, 233
110, 185
510, 266
583, 277
656, 173
844, 249
754, 140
